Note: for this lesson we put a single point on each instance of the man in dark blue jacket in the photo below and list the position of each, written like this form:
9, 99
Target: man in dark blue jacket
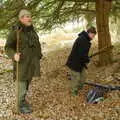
78, 59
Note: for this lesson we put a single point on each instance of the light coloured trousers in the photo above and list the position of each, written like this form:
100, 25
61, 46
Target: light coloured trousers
77, 79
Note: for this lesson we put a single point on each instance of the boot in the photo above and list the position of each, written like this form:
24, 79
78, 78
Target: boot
74, 92
80, 86
25, 107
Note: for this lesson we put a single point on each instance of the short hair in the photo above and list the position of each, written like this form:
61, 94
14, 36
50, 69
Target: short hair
92, 30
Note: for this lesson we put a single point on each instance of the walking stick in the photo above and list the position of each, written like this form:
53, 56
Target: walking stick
17, 73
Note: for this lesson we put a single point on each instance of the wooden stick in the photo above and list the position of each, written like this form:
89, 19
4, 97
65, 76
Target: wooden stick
101, 51
17, 73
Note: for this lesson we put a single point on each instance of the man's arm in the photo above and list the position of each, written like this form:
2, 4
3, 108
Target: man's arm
10, 46
40, 51
83, 50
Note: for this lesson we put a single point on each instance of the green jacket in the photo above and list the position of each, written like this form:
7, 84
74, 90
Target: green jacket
29, 46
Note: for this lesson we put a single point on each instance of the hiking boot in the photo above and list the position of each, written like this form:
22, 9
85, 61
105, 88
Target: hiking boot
74, 92
81, 85
25, 108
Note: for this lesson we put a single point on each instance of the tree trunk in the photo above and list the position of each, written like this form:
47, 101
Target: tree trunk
118, 28
102, 19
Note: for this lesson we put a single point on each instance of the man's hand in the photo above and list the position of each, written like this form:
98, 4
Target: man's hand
17, 57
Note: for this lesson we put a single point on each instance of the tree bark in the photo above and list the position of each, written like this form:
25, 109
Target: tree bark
102, 19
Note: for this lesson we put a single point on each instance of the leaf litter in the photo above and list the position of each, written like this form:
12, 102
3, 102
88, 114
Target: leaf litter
50, 95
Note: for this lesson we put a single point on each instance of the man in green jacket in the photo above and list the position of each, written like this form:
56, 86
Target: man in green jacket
28, 57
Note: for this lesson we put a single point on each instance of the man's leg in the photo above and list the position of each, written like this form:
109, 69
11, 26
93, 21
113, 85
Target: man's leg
74, 82
23, 73
24, 105
82, 79
14, 71
22, 90
30, 73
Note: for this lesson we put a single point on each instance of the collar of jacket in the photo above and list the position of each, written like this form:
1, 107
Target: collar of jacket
85, 34
25, 28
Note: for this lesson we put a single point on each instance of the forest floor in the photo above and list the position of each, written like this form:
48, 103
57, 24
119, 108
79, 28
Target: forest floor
50, 95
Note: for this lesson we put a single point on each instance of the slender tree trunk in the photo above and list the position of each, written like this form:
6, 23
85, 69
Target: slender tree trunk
102, 20
118, 28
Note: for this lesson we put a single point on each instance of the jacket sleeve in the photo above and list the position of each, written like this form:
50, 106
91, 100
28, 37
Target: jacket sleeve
10, 46
39, 48
83, 49
40, 51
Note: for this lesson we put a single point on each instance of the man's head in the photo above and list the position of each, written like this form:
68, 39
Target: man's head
25, 17
91, 32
